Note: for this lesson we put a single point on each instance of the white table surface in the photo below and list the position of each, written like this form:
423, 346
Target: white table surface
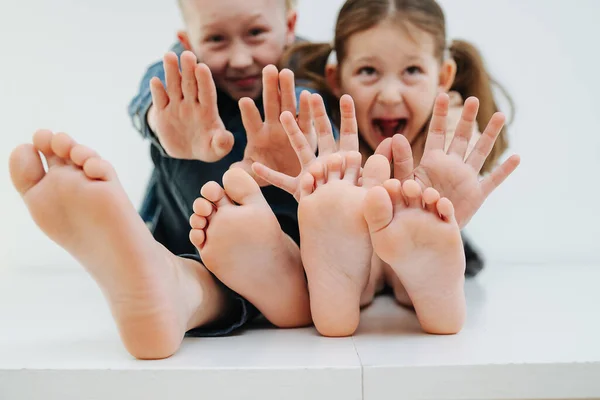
533, 332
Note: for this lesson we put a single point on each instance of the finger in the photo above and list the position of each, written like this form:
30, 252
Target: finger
271, 100
172, 76
326, 142
385, 149
188, 79
498, 175
297, 139
160, 98
348, 125
437, 127
403, 158
275, 178
486, 142
207, 91
288, 91
464, 129
251, 118
304, 118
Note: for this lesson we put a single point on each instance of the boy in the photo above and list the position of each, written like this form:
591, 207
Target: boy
156, 296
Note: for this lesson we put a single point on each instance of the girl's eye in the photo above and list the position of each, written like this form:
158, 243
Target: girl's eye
367, 71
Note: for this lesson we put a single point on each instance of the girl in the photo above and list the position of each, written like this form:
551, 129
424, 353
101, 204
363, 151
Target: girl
393, 60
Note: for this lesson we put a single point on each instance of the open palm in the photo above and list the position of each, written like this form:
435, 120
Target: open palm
268, 142
453, 173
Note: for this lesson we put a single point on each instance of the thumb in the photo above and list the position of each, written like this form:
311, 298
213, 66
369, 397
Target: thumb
222, 143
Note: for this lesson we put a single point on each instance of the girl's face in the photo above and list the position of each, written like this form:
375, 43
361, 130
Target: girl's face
393, 78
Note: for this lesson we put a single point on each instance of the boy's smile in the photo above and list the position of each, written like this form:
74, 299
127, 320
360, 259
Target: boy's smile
236, 39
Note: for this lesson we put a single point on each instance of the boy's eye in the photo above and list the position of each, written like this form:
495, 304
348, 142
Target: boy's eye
414, 70
367, 71
256, 31
215, 38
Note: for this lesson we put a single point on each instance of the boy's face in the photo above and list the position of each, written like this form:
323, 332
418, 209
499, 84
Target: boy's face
236, 39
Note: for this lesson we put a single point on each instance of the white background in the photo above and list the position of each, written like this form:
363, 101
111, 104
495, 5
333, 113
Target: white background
73, 66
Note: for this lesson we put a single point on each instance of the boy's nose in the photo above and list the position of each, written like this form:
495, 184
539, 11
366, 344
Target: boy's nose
240, 57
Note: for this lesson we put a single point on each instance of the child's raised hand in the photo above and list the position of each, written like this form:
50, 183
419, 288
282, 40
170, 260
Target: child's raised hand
304, 152
185, 116
454, 174
267, 141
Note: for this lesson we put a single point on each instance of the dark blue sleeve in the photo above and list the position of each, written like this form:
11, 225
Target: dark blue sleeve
140, 104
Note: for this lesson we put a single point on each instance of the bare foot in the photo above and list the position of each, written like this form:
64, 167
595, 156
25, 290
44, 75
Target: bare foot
80, 205
241, 242
336, 248
417, 235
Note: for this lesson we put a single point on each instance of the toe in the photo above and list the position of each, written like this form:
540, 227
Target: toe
197, 237
307, 184
42, 141
378, 209
430, 198
413, 194
202, 207
376, 171
80, 154
61, 145
352, 163
445, 209
317, 170
214, 193
394, 189
197, 221
99, 169
241, 187
26, 168
334, 167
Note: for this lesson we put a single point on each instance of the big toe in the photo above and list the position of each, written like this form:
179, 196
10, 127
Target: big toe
376, 171
26, 168
378, 209
241, 187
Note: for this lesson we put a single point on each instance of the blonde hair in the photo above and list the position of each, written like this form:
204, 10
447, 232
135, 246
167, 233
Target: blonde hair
472, 78
289, 4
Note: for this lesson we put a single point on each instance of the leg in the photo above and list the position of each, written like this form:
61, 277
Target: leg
417, 235
155, 297
241, 242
